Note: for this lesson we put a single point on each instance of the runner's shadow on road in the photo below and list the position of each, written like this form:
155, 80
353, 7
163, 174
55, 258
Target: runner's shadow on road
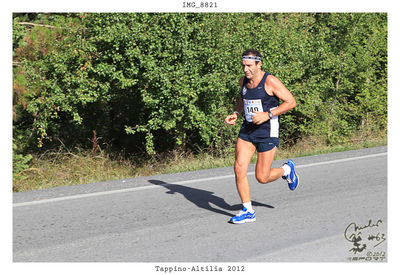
204, 198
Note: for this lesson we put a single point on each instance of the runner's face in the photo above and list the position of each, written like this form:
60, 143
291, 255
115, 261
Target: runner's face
250, 68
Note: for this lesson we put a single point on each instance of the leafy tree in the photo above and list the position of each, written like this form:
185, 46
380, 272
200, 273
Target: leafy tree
156, 82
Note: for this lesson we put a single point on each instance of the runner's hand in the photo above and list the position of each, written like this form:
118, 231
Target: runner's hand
260, 117
231, 119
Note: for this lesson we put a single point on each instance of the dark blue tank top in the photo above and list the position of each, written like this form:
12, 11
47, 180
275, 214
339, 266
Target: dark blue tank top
255, 99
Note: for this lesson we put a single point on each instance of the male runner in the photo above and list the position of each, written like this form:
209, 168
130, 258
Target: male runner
260, 94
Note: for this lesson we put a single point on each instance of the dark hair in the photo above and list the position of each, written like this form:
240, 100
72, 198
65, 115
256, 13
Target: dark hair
252, 52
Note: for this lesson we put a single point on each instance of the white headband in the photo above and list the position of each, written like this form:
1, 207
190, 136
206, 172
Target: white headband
250, 57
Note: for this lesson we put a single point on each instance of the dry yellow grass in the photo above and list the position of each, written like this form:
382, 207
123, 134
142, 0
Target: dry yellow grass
60, 169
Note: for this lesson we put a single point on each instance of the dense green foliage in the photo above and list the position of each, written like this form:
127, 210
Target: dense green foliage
150, 83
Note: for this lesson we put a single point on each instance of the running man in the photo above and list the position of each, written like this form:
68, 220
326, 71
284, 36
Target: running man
260, 94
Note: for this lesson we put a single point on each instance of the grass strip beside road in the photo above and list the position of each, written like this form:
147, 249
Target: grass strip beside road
62, 169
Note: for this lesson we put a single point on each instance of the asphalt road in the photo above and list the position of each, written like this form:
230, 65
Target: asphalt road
337, 214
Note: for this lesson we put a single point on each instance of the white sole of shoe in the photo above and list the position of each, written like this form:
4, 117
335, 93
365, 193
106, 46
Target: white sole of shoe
245, 221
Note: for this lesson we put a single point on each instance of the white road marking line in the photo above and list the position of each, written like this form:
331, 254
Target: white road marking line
133, 189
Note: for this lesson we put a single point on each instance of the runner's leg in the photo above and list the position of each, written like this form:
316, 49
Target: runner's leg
264, 172
244, 152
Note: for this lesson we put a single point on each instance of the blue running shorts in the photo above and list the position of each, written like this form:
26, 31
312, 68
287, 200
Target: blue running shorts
262, 144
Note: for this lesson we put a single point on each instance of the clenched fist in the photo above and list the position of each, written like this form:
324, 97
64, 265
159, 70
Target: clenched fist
231, 119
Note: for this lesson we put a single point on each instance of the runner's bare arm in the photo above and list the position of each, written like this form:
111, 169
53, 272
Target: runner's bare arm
231, 119
274, 85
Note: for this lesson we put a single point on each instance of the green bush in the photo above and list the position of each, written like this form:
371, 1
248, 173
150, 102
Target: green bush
20, 162
157, 82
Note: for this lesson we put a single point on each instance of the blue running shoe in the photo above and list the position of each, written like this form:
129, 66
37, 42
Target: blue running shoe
292, 178
244, 216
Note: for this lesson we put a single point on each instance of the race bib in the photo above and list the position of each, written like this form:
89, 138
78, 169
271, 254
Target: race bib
250, 107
